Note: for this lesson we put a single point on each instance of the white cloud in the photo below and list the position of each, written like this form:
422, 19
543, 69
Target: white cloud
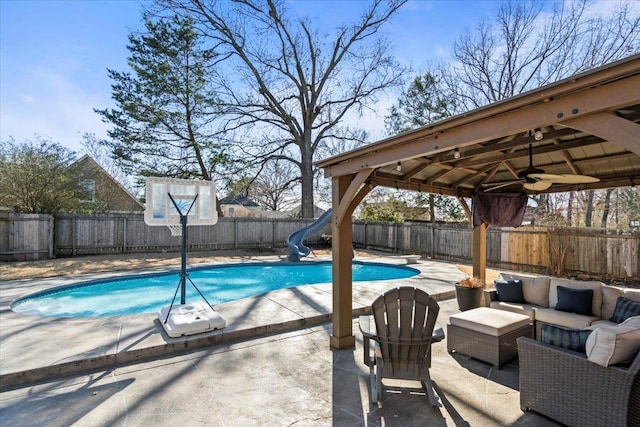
61, 109
28, 99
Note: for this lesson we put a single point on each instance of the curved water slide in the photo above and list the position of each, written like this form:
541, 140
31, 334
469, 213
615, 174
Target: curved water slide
297, 249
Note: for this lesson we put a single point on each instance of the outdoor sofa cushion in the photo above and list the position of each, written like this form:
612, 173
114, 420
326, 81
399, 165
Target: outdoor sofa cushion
608, 345
632, 293
535, 289
625, 308
562, 318
610, 296
570, 338
577, 301
526, 309
596, 303
509, 291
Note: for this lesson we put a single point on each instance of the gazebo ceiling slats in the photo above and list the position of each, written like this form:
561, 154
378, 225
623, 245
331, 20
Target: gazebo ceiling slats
590, 125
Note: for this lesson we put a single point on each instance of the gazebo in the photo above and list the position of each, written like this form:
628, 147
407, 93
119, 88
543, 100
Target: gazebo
587, 124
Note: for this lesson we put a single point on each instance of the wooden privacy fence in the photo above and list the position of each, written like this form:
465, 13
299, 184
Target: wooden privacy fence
557, 251
100, 234
26, 237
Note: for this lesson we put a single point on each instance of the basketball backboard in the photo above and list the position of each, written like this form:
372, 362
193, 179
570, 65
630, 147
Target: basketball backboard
160, 210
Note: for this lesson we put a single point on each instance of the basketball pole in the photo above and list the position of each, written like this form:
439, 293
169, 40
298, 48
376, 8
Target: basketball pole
198, 316
183, 264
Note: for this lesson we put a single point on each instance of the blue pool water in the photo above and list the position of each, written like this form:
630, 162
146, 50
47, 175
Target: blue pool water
219, 284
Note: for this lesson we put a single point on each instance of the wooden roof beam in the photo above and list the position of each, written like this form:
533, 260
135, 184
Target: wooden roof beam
419, 186
508, 120
611, 127
610, 87
537, 150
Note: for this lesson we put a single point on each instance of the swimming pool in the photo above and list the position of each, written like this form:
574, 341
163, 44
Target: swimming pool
148, 293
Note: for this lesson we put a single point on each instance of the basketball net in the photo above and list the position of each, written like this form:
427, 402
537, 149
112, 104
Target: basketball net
176, 230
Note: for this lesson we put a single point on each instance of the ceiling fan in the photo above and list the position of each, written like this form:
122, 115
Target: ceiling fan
535, 179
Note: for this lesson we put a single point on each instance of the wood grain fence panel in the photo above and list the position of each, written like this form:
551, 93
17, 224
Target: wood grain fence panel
530, 249
452, 244
527, 247
25, 236
494, 245
622, 256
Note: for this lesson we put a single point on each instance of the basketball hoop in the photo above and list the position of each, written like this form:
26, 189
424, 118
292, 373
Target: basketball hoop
176, 203
176, 230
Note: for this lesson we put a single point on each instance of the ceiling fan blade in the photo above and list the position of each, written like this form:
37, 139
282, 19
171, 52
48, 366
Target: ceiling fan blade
564, 178
546, 177
577, 179
538, 185
504, 184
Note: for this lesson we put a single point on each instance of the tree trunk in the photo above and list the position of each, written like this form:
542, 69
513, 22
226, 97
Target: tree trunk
432, 208
616, 210
607, 207
570, 209
306, 210
589, 213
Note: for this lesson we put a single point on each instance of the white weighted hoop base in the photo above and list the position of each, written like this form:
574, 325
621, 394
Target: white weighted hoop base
190, 319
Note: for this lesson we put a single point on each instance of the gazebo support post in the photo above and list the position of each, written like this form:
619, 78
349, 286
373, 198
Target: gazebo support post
342, 233
479, 252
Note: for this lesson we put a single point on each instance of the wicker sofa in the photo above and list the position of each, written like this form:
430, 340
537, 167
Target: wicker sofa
565, 386
541, 298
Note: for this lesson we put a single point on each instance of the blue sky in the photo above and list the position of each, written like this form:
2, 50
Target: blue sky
54, 55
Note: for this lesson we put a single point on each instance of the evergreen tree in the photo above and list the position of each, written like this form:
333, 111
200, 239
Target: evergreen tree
165, 120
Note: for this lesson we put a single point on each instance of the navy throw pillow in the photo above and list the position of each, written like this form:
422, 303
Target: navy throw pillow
509, 290
575, 300
625, 308
572, 339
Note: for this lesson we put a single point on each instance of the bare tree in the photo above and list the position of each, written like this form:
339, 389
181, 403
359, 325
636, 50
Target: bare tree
526, 47
589, 212
606, 209
289, 83
570, 209
273, 188
39, 176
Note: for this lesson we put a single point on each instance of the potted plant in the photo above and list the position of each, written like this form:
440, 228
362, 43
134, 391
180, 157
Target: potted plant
469, 293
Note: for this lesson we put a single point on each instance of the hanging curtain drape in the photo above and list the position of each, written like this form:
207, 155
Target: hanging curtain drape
499, 209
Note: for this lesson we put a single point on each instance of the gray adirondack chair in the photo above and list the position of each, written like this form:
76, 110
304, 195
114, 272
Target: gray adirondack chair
404, 320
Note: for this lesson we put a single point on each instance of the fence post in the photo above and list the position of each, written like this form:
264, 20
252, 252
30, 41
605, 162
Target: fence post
433, 240
124, 234
235, 233
50, 236
273, 233
365, 234
73, 236
395, 237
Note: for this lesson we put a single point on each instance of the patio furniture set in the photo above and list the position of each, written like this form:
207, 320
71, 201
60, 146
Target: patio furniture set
578, 344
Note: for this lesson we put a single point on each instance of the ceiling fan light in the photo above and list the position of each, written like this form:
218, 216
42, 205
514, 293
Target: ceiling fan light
537, 134
456, 154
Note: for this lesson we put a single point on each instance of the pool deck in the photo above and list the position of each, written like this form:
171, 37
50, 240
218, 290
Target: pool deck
271, 365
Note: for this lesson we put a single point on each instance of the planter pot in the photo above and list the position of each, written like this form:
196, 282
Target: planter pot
468, 298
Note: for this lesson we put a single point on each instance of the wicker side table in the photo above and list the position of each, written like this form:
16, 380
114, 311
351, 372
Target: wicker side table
487, 334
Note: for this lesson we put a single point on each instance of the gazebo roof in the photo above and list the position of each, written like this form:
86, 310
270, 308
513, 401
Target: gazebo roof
590, 124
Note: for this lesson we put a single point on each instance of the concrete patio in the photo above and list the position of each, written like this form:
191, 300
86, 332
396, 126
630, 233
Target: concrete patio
271, 365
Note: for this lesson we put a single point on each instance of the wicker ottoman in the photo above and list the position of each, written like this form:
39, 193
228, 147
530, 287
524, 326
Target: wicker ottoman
487, 334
